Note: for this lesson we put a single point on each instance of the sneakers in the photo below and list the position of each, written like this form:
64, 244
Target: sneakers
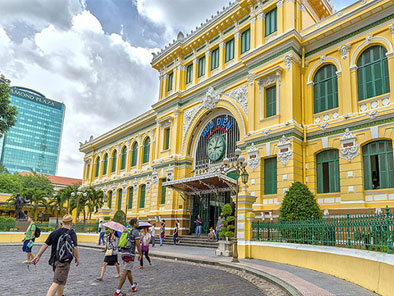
150, 263
120, 294
134, 287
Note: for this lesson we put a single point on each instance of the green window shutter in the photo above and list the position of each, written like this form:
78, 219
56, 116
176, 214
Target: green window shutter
134, 154
166, 138
170, 81
146, 151
229, 50
130, 204
325, 89
372, 73
105, 164
330, 160
97, 167
124, 157
383, 152
114, 160
201, 67
215, 59
271, 22
245, 41
270, 176
119, 199
110, 200
270, 101
163, 193
189, 73
142, 196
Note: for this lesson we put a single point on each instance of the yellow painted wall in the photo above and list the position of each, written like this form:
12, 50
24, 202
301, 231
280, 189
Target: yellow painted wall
282, 59
17, 237
373, 275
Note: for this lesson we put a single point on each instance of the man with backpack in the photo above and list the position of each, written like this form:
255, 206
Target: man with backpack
129, 240
64, 249
30, 235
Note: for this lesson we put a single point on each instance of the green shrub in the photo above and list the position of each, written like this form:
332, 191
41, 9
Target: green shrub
119, 217
299, 204
227, 229
6, 219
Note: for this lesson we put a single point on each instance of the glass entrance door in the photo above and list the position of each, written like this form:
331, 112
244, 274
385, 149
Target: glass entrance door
209, 207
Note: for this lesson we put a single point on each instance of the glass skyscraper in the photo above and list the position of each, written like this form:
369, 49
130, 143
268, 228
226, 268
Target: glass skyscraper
34, 141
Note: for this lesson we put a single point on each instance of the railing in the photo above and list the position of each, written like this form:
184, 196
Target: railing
47, 227
368, 232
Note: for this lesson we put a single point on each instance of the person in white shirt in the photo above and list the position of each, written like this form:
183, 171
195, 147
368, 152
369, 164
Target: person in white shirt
153, 234
145, 239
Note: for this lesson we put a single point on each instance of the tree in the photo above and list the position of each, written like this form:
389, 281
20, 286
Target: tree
8, 112
10, 183
37, 181
38, 198
3, 169
95, 201
299, 203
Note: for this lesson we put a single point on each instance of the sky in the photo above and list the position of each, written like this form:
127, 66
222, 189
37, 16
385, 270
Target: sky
94, 55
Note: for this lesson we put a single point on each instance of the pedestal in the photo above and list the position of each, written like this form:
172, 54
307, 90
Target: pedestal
21, 225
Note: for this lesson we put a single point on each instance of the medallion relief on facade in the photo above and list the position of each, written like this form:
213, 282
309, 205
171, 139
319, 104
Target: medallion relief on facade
349, 147
285, 152
240, 95
253, 157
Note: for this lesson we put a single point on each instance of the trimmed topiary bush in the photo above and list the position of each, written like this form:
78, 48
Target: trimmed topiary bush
299, 203
227, 229
119, 217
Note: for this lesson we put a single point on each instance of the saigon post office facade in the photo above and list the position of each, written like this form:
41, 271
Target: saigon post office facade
303, 91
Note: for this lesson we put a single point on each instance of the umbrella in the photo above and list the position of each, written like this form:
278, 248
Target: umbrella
144, 224
115, 226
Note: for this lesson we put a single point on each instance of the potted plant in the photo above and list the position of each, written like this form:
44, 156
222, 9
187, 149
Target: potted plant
225, 247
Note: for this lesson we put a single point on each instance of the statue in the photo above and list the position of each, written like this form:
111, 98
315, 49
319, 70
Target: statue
19, 203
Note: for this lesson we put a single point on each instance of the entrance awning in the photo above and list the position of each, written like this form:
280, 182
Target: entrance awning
203, 184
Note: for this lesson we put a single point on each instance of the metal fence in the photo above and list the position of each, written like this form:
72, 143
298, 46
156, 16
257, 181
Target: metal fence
372, 232
47, 227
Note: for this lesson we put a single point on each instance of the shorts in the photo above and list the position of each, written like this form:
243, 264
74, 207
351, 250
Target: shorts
61, 270
111, 260
25, 248
129, 264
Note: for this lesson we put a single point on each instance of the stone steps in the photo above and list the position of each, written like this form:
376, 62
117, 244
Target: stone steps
189, 240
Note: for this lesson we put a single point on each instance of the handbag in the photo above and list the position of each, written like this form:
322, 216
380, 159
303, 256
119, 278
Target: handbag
108, 252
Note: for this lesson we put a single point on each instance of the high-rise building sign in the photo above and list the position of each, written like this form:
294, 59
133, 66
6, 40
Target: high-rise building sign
34, 141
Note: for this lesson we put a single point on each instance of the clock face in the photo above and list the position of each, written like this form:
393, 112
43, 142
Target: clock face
216, 147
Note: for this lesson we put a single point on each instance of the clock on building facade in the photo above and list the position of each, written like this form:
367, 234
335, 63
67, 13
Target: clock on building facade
216, 147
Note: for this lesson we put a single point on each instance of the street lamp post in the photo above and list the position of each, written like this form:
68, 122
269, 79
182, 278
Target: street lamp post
240, 170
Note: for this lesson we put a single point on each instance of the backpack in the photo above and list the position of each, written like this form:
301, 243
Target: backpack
37, 233
65, 248
124, 239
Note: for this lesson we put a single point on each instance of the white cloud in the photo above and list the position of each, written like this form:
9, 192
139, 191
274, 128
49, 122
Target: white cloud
100, 77
178, 14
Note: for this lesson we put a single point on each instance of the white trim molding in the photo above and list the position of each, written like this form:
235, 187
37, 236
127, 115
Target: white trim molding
324, 59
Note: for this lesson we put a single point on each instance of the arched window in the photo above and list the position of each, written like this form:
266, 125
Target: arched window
109, 199
142, 196
372, 73
325, 89
134, 154
119, 199
378, 165
114, 159
130, 204
97, 166
146, 150
105, 164
123, 160
327, 168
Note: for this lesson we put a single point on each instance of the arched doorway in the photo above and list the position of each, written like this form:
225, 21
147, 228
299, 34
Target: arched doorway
216, 140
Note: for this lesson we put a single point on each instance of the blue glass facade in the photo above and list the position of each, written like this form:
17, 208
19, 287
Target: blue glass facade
34, 141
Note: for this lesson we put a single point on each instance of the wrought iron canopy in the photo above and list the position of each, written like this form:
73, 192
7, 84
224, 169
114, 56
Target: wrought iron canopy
203, 184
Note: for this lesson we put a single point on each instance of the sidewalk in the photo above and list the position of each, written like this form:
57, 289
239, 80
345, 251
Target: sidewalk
298, 281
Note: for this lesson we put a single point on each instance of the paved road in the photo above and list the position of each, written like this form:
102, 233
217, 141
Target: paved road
163, 278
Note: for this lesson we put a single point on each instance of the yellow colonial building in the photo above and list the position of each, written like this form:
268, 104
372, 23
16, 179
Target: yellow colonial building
304, 91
